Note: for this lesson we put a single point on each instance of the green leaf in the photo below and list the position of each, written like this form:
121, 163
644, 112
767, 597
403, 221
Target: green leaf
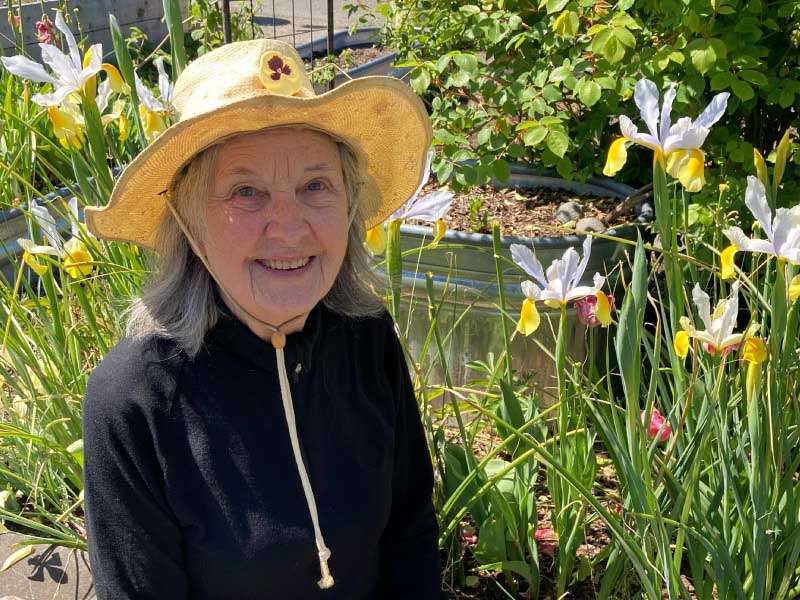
754, 77
421, 81
702, 55
559, 74
589, 93
722, 81
470, 9
786, 98
466, 62
443, 171
726, 10
742, 89
484, 135
460, 79
443, 61
551, 93
555, 5
558, 142
501, 170
613, 51
625, 37
534, 135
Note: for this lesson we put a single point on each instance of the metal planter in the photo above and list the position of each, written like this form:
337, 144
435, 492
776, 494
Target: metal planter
466, 278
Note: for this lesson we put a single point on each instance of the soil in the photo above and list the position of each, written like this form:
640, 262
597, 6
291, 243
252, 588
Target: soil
524, 212
486, 585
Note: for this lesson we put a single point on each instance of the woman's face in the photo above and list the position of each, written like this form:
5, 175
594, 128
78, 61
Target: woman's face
277, 222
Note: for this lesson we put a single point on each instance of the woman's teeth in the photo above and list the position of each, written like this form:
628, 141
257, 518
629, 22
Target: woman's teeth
285, 265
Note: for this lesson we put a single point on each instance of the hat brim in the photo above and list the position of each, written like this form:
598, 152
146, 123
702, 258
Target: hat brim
380, 119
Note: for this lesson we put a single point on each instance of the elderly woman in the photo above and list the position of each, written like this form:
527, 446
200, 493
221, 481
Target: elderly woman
255, 434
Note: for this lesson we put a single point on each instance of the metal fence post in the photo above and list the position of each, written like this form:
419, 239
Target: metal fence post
226, 21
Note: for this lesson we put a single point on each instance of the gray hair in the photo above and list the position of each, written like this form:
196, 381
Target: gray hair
179, 302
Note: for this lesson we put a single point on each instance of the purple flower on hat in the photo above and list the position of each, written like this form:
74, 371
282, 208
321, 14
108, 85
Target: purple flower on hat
279, 74
279, 67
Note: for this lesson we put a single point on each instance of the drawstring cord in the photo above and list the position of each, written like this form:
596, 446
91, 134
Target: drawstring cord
278, 340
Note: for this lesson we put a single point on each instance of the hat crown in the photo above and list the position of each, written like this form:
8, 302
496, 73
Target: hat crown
236, 72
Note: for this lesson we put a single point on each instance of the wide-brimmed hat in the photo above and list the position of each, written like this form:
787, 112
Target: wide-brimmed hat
248, 86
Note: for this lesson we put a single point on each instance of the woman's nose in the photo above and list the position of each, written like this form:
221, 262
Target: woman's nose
284, 217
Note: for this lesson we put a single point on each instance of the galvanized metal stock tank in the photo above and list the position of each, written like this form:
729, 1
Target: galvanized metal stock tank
466, 279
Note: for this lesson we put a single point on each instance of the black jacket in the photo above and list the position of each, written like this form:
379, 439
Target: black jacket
191, 489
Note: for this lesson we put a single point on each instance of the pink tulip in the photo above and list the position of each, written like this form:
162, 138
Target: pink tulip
656, 421
724, 352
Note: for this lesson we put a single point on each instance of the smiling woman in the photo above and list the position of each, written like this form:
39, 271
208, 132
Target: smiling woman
210, 472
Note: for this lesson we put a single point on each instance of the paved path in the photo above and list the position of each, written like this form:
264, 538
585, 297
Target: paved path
298, 21
50, 573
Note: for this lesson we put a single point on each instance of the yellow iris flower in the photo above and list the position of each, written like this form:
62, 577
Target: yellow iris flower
754, 353
681, 344
678, 145
376, 239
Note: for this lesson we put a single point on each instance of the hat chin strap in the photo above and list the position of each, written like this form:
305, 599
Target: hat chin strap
278, 340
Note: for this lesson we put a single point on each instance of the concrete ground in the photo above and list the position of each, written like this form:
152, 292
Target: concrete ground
298, 21
50, 573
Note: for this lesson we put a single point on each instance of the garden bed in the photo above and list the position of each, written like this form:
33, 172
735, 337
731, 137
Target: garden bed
529, 213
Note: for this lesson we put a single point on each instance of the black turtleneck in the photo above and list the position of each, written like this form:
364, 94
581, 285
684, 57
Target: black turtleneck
192, 491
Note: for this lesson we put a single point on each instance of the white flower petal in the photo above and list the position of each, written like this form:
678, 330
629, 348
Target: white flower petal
756, 200
646, 97
742, 242
165, 89
525, 258
713, 111
53, 99
723, 327
430, 207
146, 97
685, 139
629, 130
530, 290
703, 303
103, 93
587, 252
24, 67
47, 224
74, 53
786, 230
666, 111
60, 64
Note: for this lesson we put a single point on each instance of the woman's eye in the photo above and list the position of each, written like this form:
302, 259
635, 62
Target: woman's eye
316, 186
245, 191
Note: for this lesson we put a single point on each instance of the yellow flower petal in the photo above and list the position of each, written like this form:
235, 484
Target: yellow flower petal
376, 239
602, 309
617, 155
681, 344
726, 261
794, 288
33, 262
118, 84
761, 168
67, 126
552, 303
124, 128
528, 318
755, 350
781, 156
77, 260
154, 124
439, 229
674, 160
691, 173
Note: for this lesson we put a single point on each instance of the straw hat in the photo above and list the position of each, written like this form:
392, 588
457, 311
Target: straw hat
248, 86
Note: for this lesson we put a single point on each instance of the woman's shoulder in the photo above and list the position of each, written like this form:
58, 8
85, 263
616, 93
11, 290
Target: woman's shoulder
138, 370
